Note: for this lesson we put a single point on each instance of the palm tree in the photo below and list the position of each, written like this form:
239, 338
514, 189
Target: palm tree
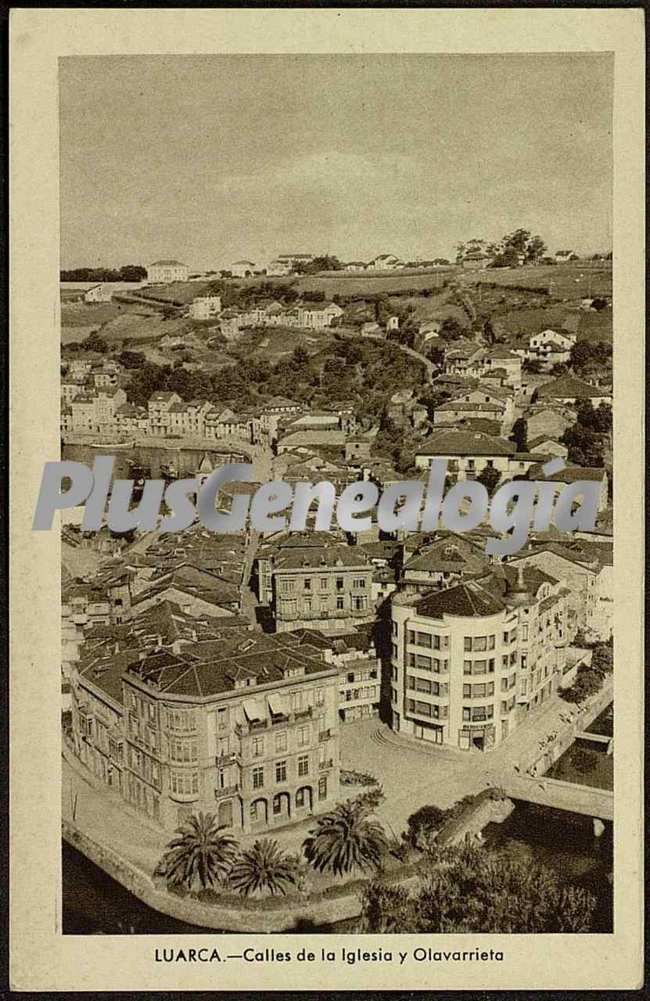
263, 868
201, 851
345, 839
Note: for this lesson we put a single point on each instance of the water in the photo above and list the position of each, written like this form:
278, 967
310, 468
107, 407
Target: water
185, 460
585, 763
93, 903
604, 723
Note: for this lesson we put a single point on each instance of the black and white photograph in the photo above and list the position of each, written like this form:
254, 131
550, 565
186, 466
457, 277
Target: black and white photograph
337, 268
328, 580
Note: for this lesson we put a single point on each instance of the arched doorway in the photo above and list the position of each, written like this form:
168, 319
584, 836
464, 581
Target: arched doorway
304, 799
224, 814
281, 807
258, 814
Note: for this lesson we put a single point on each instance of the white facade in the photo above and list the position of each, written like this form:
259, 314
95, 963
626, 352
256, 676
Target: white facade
162, 272
204, 307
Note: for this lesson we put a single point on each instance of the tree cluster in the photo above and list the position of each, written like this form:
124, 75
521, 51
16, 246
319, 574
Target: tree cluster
587, 439
128, 273
469, 891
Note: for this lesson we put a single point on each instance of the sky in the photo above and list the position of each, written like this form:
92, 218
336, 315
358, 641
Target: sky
210, 159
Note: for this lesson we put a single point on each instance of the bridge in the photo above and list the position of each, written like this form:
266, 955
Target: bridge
569, 796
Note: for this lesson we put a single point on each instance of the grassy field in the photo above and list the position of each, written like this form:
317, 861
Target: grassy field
566, 281
276, 342
81, 314
177, 292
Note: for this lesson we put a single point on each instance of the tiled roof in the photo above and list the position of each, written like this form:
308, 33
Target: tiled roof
454, 441
569, 387
467, 599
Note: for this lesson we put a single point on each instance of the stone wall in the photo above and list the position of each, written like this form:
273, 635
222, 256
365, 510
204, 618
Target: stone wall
273, 915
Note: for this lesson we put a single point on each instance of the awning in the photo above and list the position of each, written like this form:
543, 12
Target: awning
253, 710
276, 705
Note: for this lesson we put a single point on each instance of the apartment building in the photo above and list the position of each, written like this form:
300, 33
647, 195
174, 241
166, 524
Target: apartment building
95, 409
468, 661
162, 272
241, 725
468, 453
158, 407
325, 585
359, 667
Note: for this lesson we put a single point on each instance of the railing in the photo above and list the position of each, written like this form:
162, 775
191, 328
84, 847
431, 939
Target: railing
226, 791
303, 713
226, 758
325, 764
324, 734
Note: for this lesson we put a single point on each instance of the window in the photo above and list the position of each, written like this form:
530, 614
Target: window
491, 642
258, 747
222, 719
307, 584
424, 639
320, 696
339, 583
480, 643
258, 778
410, 636
359, 582
303, 736
322, 787
467, 667
524, 633
323, 583
301, 797
280, 771
423, 662
184, 783
467, 645
183, 750
303, 764
340, 603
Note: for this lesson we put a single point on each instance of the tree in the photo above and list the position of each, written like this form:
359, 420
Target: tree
202, 852
585, 447
264, 868
422, 825
345, 839
133, 273
519, 434
299, 357
451, 329
95, 343
488, 332
471, 891
131, 359
489, 477
535, 250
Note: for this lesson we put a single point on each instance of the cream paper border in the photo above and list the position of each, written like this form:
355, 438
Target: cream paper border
41, 958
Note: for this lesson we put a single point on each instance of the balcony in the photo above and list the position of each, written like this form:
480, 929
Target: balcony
227, 758
322, 765
303, 713
325, 735
226, 791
